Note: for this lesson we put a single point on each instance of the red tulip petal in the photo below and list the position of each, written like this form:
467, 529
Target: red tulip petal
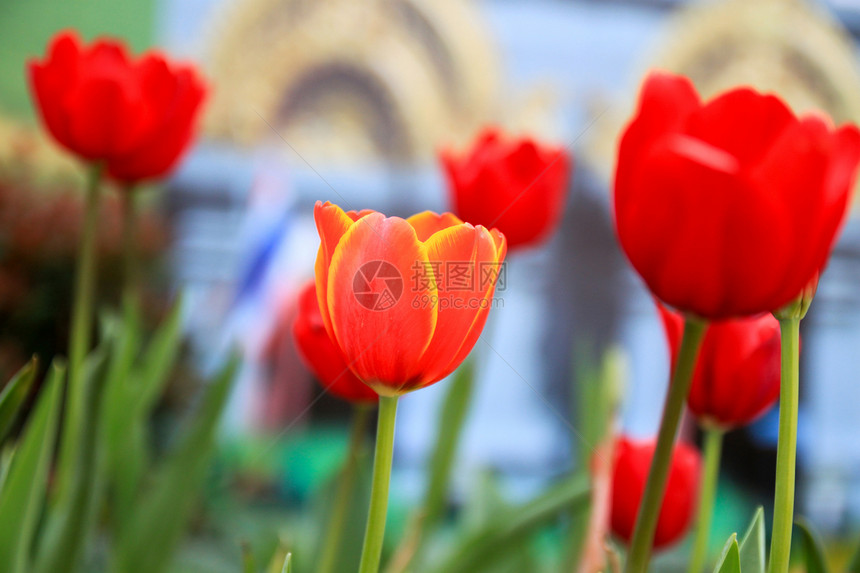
665, 103
50, 81
322, 356
98, 112
742, 122
681, 251
795, 171
382, 345
173, 109
462, 252
332, 223
428, 222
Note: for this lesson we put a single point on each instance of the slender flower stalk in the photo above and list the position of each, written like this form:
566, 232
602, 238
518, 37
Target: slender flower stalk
80, 337
712, 452
334, 530
371, 553
649, 511
129, 248
786, 453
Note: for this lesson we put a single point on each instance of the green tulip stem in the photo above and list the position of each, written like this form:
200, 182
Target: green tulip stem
80, 336
713, 448
129, 248
333, 533
371, 553
786, 450
655, 487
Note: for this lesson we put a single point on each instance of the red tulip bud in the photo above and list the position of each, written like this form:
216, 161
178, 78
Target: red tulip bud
736, 379
322, 357
632, 464
516, 185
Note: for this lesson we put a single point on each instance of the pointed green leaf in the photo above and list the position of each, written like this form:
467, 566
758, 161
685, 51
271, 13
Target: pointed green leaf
162, 516
69, 526
123, 460
813, 549
730, 558
752, 548
288, 564
509, 529
452, 420
159, 360
14, 394
24, 490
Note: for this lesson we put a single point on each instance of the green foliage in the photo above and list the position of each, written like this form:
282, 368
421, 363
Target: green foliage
71, 519
160, 517
13, 396
730, 558
23, 492
813, 549
753, 551
46, 531
509, 528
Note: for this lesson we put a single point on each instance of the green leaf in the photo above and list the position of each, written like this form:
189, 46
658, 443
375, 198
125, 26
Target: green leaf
159, 360
288, 564
14, 394
813, 549
730, 559
452, 417
511, 527
24, 490
70, 523
124, 461
160, 518
753, 551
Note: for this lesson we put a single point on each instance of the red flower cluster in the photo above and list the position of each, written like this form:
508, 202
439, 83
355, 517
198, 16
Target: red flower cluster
737, 373
135, 116
518, 186
729, 208
399, 334
629, 474
322, 357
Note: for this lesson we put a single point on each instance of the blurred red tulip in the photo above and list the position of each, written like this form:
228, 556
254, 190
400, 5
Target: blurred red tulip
405, 299
322, 357
736, 379
632, 463
518, 186
136, 116
730, 207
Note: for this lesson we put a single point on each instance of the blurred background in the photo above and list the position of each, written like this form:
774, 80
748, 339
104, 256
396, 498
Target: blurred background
350, 102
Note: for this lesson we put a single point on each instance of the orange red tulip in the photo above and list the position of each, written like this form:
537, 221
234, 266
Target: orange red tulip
405, 300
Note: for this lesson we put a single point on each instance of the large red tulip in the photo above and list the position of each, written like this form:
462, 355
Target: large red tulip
736, 379
729, 208
517, 185
322, 356
632, 463
137, 116
404, 299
